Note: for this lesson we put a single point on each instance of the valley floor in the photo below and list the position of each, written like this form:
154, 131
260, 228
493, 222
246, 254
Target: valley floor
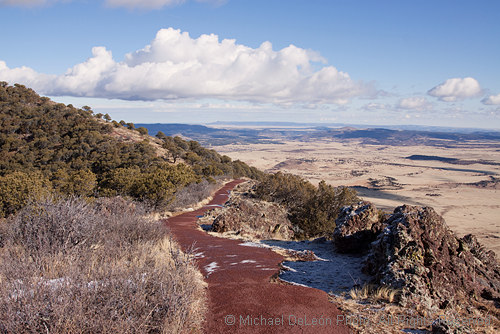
465, 191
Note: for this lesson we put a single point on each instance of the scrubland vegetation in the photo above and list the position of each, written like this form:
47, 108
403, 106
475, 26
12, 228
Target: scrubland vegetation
56, 148
312, 210
77, 253
73, 266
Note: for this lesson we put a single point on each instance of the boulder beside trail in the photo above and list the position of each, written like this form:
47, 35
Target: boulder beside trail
413, 250
356, 227
434, 269
252, 218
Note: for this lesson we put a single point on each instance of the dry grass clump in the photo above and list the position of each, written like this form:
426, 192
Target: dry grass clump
193, 193
368, 310
375, 293
70, 266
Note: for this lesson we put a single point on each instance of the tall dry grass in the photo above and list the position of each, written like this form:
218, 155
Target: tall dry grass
70, 266
375, 293
194, 193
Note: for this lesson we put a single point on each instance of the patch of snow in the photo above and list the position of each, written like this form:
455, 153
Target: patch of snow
254, 244
231, 255
199, 255
210, 268
288, 268
335, 272
294, 283
318, 258
56, 282
248, 261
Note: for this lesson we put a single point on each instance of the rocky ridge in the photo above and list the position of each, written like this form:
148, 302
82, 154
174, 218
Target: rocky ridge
356, 227
413, 250
244, 216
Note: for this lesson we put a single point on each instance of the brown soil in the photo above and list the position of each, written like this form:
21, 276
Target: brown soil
240, 287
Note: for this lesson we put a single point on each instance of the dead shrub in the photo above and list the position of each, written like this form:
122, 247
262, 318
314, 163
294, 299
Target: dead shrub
193, 193
70, 266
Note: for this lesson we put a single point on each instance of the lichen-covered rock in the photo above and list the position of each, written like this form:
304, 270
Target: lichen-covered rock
252, 218
356, 227
418, 254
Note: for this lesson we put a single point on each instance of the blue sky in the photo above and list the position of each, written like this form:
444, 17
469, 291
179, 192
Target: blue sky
348, 61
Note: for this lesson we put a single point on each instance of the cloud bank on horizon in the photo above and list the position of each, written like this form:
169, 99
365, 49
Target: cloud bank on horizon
414, 103
153, 4
29, 3
176, 66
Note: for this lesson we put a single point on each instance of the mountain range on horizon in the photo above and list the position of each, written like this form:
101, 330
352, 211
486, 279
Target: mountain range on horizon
415, 127
222, 133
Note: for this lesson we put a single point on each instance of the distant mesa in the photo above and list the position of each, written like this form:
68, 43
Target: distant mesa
223, 133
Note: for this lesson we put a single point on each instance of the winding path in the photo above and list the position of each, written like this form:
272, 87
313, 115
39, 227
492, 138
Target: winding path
242, 298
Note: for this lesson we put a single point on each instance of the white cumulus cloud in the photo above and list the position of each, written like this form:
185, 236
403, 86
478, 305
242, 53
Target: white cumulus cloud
414, 103
176, 66
492, 100
456, 89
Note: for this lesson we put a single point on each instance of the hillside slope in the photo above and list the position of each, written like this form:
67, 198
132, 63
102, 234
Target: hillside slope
48, 147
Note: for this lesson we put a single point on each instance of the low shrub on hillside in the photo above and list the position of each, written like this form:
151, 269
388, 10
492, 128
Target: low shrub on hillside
17, 187
312, 209
70, 266
155, 186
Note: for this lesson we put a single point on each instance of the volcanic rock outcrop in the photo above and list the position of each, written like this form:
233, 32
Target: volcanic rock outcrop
414, 251
252, 218
356, 227
434, 269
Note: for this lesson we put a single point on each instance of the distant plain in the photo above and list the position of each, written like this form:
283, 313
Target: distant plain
456, 173
466, 195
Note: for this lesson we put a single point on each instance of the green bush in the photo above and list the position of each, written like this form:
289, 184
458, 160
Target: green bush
119, 181
318, 215
18, 187
311, 209
142, 130
157, 186
80, 182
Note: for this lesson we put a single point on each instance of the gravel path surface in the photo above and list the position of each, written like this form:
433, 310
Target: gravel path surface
242, 298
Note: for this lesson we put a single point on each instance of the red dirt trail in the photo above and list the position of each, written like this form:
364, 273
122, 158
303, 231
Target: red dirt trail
241, 297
